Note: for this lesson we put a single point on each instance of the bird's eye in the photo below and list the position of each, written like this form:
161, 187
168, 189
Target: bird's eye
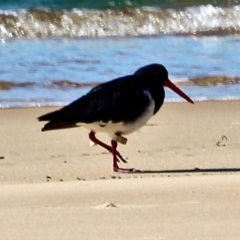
156, 72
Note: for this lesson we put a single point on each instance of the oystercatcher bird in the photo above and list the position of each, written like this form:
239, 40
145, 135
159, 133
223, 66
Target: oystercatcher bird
117, 107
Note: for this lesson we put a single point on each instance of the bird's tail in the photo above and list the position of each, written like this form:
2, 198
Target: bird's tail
56, 121
58, 126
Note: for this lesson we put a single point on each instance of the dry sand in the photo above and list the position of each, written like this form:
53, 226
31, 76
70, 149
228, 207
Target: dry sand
53, 185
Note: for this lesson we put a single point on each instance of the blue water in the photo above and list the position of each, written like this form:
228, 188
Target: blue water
100, 60
47, 48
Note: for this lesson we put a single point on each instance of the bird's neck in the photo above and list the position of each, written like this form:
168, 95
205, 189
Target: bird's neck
158, 95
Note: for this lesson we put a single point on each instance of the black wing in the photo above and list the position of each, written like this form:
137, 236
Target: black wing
122, 99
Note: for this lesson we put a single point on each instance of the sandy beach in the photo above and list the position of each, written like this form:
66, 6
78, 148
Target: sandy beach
54, 185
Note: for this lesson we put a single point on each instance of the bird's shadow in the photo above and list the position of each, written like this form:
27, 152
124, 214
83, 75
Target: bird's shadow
185, 171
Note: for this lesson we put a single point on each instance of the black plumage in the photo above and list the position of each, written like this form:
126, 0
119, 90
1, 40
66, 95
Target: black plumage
130, 100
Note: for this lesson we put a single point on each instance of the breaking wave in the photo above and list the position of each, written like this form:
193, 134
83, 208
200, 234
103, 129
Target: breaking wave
142, 21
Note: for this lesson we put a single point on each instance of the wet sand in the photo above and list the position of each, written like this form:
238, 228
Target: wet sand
53, 185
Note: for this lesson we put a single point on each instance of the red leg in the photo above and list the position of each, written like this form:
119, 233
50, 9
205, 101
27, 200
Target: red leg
115, 160
107, 147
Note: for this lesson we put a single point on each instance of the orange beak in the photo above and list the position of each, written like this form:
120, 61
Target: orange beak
169, 84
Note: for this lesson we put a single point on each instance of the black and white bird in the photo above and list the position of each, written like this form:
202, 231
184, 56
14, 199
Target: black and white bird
117, 107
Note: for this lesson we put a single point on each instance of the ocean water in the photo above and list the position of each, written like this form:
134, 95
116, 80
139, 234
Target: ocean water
52, 52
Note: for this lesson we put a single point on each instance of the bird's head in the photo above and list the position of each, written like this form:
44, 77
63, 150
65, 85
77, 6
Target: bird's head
159, 73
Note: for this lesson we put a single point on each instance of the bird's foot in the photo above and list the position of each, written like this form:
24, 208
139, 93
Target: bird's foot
123, 170
116, 158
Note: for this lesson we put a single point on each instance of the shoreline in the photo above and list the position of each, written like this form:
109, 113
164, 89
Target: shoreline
166, 101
